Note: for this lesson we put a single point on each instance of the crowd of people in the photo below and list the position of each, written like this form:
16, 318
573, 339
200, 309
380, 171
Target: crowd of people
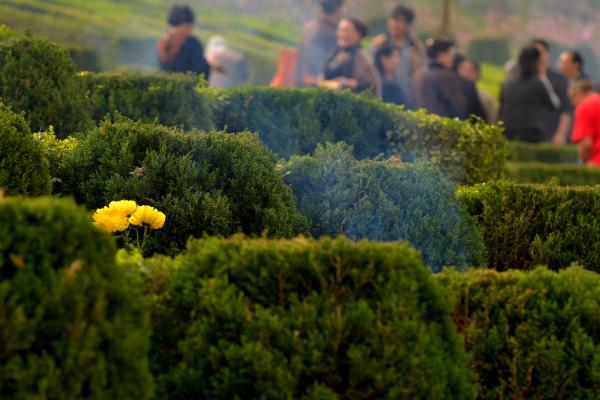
537, 103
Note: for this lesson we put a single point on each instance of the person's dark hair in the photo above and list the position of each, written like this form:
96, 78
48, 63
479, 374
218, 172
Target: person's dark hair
458, 60
402, 11
331, 6
361, 26
384, 51
476, 65
577, 58
437, 46
529, 60
180, 15
542, 42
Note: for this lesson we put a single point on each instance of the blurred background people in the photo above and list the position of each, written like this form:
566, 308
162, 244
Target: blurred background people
470, 69
559, 119
399, 35
571, 65
586, 130
526, 100
319, 41
178, 50
469, 86
387, 59
438, 89
230, 69
349, 67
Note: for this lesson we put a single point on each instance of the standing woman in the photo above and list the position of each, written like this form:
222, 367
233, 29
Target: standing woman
527, 99
349, 67
387, 61
178, 50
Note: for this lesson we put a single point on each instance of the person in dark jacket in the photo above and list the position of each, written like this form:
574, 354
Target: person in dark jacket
387, 59
350, 67
558, 120
438, 89
474, 105
527, 100
178, 50
318, 43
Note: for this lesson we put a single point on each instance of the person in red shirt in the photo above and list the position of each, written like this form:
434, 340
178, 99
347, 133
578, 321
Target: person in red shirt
586, 130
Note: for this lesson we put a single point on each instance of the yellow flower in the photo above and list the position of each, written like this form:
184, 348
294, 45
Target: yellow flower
126, 207
149, 216
111, 220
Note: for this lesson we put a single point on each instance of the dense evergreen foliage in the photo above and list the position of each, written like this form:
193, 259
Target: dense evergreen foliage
72, 325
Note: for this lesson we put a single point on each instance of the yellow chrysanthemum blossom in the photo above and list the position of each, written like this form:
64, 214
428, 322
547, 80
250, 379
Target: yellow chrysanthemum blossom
127, 207
111, 220
149, 216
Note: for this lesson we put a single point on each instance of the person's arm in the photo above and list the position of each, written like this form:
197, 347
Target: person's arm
560, 137
585, 149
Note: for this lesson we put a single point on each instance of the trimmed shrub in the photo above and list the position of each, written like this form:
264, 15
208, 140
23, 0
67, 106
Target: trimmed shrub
292, 122
532, 335
529, 225
205, 183
169, 99
333, 319
495, 50
56, 151
23, 166
384, 201
566, 174
38, 78
543, 152
71, 326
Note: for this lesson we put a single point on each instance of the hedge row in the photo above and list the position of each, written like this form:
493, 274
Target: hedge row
72, 326
531, 335
221, 184
23, 166
38, 78
543, 153
333, 319
169, 99
206, 183
246, 319
524, 226
294, 122
384, 200
565, 174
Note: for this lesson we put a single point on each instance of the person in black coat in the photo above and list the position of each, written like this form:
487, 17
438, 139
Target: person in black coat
527, 99
178, 50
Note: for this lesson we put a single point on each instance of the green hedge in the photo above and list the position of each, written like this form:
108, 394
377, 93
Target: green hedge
23, 166
529, 225
205, 183
384, 201
544, 153
252, 319
71, 326
566, 174
38, 77
292, 122
169, 99
531, 335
